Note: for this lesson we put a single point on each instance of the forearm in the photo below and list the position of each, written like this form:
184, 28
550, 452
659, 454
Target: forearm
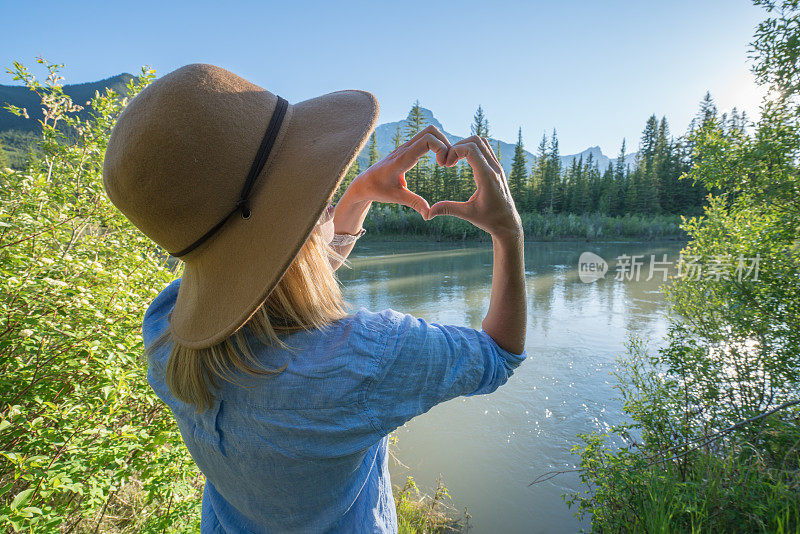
348, 218
506, 319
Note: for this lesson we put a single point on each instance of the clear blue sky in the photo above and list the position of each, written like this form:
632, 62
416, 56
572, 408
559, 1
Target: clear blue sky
593, 70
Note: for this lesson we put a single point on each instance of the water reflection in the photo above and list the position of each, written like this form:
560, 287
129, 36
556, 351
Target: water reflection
489, 448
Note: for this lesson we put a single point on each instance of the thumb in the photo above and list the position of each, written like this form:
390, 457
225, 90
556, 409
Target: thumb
448, 207
413, 201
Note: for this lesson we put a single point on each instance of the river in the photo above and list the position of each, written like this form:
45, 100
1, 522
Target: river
489, 448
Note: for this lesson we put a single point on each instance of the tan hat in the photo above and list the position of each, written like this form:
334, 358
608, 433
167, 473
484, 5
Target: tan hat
184, 164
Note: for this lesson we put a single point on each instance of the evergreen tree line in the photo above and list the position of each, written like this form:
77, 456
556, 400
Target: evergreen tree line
652, 186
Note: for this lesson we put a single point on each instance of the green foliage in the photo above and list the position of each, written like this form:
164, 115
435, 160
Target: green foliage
418, 513
19, 146
714, 438
397, 137
517, 180
777, 46
480, 124
655, 474
85, 443
4, 162
415, 123
374, 155
403, 223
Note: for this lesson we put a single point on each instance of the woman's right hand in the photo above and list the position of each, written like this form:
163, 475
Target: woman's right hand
491, 207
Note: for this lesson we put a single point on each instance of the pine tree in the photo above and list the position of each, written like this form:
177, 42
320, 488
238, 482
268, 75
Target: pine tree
647, 147
352, 172
539, 177
619, 168
397, 138
580, 191
374, 155
708, 111
571, 179
666, 179
619, 203
555, 190
451, 188
592, 180
609, 192
517, 180
436, 190
415, 123
646, 182
466, 182
480, 124
631, 193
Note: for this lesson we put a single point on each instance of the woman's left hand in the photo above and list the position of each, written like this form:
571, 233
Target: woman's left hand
385, 180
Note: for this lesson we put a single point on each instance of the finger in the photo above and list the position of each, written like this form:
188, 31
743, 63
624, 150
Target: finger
477, 140
495, 164
430, 129
413, 201
475, 159
422, 145
491, 157
434, 131
449, 207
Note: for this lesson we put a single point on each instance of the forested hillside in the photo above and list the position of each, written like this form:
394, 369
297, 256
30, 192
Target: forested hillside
21, 135
640, 180
646, 182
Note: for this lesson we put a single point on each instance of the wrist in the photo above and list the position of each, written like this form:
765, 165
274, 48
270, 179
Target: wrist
510, 233
351, 210
357, 191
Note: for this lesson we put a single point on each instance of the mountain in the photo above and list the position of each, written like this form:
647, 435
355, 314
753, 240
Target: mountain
81, 93
23, 97
385, 132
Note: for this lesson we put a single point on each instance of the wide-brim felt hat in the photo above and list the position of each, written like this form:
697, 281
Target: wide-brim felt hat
177, 163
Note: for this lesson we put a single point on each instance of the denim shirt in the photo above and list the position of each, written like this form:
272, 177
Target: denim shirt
306, 450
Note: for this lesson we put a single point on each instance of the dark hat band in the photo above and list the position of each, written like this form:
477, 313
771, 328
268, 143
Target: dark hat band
260, 160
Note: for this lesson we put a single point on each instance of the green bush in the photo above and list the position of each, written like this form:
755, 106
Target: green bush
658, 473
85, 444
713, 441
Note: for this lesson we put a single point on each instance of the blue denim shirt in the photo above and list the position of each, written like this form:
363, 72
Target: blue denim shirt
306, 450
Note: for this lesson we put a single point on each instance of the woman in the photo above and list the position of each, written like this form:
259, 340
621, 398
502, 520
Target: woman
284, 400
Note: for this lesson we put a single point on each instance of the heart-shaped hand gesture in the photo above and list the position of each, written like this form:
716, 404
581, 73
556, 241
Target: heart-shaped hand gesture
490, 208
385, 181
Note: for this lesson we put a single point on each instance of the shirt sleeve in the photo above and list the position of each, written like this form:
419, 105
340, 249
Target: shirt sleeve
423, 364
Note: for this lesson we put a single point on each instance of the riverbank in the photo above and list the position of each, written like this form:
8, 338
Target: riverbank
390, 223
419, 513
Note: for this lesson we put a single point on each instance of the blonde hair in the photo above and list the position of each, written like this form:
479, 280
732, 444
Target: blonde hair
307, 297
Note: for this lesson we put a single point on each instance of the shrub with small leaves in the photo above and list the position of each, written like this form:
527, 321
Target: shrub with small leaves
85, 444
713, 441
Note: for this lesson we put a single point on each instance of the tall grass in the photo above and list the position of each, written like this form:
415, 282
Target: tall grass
419, 513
